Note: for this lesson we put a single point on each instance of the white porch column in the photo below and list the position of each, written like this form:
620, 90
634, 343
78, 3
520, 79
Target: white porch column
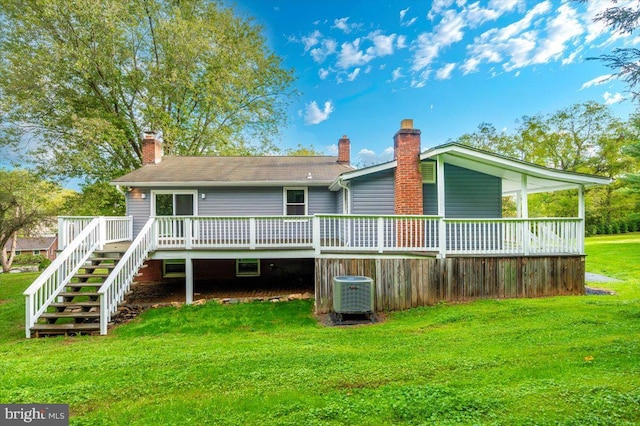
188, 273
442, 226
524, 214
582, 216
524, 196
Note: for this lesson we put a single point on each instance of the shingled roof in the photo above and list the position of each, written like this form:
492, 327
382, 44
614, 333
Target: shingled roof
236, 171
33, 243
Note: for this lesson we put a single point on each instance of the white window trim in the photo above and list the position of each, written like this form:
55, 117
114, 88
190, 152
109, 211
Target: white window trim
173, 262
193, 192
295, 188
247, 274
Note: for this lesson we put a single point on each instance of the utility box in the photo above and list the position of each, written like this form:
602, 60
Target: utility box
353, 294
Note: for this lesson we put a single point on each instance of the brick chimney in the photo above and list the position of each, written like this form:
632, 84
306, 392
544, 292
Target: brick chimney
151, 148
408, 179
344, 150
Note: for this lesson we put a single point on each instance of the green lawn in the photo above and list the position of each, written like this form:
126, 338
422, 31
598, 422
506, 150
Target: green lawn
562, 360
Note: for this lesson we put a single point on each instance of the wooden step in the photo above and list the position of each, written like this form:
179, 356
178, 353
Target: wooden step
70, 328
102, 266
85, 304
48, 315
103, 258
78, 293
90, 275
81, 285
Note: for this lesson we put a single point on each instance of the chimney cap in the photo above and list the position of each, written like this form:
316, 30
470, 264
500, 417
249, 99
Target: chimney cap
407, 123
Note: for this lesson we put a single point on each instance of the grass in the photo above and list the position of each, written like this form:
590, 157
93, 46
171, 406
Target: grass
562, 360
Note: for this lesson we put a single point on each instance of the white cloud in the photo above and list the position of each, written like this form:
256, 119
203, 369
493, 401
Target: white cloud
396, 74
403, 12
601, 79
444, 73
351, 55
326, 49
367, 157
323, 73
344, 26
409, 22
311, 40
382, 44
352, 76
560, 30
437, 7
315, 115
428, 45
612, 98
401, 42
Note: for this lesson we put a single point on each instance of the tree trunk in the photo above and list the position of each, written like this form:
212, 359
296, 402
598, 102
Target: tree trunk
7, 257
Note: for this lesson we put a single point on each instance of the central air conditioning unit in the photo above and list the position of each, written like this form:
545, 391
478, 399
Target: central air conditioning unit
353, 295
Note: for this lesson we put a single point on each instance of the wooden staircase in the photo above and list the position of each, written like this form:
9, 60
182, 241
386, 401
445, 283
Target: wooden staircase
77, 310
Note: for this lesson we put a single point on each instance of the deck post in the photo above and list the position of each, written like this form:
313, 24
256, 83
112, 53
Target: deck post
188, 232
102, 232
581, 215
380, 236
252, 233
315, 236
188, 274
524, 214
442, 226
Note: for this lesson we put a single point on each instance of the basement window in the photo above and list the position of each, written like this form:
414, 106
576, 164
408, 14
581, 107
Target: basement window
173, 268
247, 267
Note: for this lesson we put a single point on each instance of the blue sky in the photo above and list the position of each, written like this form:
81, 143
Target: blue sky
363, 66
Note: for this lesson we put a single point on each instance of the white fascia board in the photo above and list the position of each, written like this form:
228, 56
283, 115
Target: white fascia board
205, 184
362, 172
516, 166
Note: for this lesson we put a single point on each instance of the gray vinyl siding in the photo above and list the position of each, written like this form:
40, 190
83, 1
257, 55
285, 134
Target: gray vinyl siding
257, 201
138, 207
468, 194
339, 201
373, 194
321, 200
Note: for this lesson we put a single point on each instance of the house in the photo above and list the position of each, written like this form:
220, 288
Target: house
426, 227
43, 246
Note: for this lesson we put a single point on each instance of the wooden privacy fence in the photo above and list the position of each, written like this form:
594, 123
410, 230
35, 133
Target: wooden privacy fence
409, 283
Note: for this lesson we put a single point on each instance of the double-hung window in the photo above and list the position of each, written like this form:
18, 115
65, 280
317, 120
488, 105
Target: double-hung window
295, 202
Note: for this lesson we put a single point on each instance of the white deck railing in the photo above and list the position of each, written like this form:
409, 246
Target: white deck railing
58, 274
113, 228
361, 233
378, 233
118, 283
255, 232
78, 238
514, 236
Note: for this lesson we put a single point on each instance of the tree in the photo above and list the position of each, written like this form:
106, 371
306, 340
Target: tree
303, 151
95, 199
84, 79
25, 202
625, 60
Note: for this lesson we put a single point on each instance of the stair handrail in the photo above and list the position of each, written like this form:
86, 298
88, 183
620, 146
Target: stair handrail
119, 281
58, 274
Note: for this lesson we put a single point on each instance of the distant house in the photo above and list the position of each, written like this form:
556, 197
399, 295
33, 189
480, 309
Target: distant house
44, 246
427, 227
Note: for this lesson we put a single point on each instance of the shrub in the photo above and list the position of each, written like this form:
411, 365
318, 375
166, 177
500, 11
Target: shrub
591, 230
624, 228
28, 259
615, 228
